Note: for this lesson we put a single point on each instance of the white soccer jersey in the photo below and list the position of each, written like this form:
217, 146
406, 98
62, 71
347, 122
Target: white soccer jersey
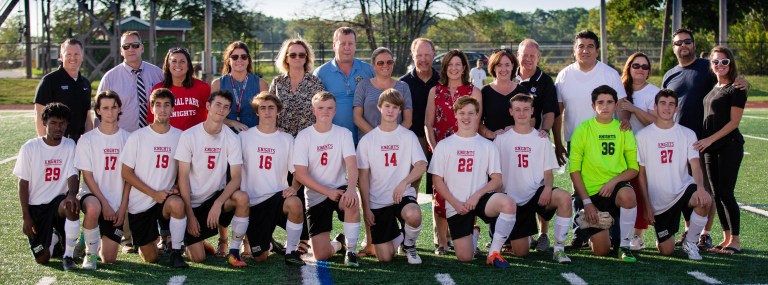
151, 156
266, 163
389, 156
323, 154
665, 155
524, 158
98, 153
643, 99
46, 168
574, 90
465, 164
208, 155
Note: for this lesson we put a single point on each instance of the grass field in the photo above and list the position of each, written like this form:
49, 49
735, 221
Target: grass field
18, 267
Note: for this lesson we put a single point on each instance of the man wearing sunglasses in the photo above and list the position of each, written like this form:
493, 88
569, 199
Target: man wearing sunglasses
691, 80
132, 80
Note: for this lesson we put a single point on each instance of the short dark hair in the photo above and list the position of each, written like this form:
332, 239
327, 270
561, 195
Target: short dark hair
107, 94
604, 89
131, 33
56, 110
221, 93
69, 42
266, 96
496, 60
683, 31
161, 93
665, 93
521, 97
343, 31
587, 34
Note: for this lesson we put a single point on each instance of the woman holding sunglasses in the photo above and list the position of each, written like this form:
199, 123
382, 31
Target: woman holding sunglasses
639, 102
366, 113
723, 145
238, 78
189, 93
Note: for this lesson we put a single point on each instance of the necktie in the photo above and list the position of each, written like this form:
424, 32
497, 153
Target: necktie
142, 94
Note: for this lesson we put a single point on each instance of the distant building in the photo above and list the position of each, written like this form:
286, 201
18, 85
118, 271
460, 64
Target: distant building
164, 28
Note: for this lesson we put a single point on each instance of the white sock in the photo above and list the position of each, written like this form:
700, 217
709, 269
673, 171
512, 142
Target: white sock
411, 235
397, 241
562, 225
293, 231
336, 245
239, 226
71, 233
92, 239
351, 231
697, 224
504, 225
706, 232
177, 227
54, 241
475, 235
627, 224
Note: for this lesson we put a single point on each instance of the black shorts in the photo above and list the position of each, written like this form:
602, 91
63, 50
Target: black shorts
386, 228
144, 225
320, 216
668, 222
264, 217
607, 204
106, 228
46, 219
525, 224
463, 225
201, 214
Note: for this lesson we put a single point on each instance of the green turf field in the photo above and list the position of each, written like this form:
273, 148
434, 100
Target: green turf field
18, 267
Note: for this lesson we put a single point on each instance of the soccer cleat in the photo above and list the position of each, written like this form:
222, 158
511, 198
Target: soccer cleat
176, 260
561, 257
128, 248
692, 250
342, 241
412, 255
68, 263
440, 250
90, 261
682, 239
277, 247
350, 260
496, 260
293, 258
80, 247
576, 244
636, 243
626, 255
542, 243
234, 260
705, 242
164, 245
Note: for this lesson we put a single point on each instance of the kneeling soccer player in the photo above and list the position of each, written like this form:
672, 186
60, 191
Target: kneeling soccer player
461, 165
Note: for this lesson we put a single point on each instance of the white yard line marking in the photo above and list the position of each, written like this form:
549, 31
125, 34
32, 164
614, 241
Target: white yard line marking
754, 210
309, 274
177, 280
704, 277
18, 116
46, 280
573, 278
754, 117
754, 137
4, 161
746, 153
444, 279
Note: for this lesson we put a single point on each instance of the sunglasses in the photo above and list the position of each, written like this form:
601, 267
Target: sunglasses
301, 55
723, 61
639, 66
178, 49
131, 45
382, 63
681, 42
241, 56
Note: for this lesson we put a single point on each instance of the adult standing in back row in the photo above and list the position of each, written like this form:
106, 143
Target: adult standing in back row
237, 77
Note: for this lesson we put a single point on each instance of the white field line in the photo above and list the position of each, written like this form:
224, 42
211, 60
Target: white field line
18, 116
704, 277
754, 137
444, 279
177, 280
754, 117
46, 280
754, 210
309, 274
4, 161
573, 278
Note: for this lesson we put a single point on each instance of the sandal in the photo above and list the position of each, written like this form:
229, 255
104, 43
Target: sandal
367, 251
729, 250
246, 250
222, 250
304, 247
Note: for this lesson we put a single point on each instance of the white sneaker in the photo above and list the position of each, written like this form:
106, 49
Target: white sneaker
692, 250
561, 257
636, 243
90, 261
413, 257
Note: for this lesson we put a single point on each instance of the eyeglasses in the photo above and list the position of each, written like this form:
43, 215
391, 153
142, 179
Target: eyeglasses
639, 66
131, 45
681, 42
382, 63
723, 61
507, 50
178, 49
301, 55
242, 56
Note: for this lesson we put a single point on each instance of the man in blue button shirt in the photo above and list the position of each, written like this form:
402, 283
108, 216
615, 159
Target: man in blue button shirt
341, 75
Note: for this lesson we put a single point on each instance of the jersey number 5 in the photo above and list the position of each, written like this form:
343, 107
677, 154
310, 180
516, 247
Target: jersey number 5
465, 164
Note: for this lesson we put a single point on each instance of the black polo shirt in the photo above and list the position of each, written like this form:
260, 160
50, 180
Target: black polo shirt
419, 95
542, 87
58, 86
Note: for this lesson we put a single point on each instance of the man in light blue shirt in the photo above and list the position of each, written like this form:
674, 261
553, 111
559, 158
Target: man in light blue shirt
341, 75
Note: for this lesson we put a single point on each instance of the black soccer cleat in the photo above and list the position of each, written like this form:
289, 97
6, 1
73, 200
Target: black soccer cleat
176, 260
294, 258
68, 263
